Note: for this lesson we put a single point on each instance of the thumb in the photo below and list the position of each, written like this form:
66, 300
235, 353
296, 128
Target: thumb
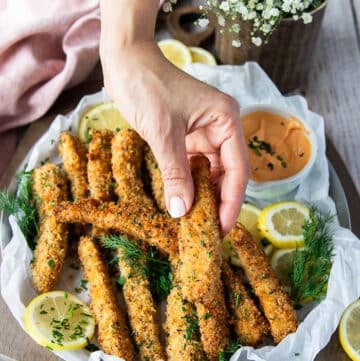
175, 171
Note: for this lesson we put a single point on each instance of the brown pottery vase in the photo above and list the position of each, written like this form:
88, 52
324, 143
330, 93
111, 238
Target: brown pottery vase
286, 57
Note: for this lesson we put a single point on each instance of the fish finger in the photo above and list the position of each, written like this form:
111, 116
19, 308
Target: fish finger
73, 154
250, 325
49, 188
273, 298
113, 333
99, 173
157, 184
154, 228
127, 155
182, 341
200, 261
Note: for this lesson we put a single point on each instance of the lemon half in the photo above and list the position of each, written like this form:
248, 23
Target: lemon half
282, 224
200, 55
59, 321
176, 52
102, 116
349, 330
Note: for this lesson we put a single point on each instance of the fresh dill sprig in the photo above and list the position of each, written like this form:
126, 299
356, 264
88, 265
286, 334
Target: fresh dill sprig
22, 206
192, 331
149, 264
311, 266
229, 351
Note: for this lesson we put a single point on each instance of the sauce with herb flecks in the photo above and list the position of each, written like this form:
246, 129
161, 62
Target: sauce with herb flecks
278, 147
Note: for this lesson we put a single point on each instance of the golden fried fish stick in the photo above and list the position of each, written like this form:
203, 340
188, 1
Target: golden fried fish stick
154, 228
199, 240
127, 155
181, 343
274, 300
49, 186
141, 311
157, 184
250, 325
99, 171
113, 333
73, 153
213, 324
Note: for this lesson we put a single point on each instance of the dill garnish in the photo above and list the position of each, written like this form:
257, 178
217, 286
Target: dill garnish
22, 206
311, 266
150, 264
229, 351
192, 331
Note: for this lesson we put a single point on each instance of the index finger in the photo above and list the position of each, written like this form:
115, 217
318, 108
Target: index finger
234, 157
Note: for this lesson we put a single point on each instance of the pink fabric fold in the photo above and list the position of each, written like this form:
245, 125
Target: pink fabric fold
45, 47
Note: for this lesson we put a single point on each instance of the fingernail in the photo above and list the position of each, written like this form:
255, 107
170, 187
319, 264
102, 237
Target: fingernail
177, 207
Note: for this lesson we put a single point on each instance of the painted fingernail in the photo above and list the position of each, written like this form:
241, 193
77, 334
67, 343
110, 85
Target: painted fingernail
177, 207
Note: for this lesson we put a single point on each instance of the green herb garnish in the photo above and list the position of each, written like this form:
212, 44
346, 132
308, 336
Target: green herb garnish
149, 264
311, 266
192, 331
22, 206
229, 351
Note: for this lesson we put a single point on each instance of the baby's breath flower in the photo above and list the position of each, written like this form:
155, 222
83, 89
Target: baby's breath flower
167, 7
256, 41
236, 43
307, 18
203, 22
221, 20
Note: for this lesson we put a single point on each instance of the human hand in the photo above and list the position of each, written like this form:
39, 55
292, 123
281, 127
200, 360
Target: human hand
179, 116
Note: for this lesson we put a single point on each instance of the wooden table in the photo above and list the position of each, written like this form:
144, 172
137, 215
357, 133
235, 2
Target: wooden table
333, 91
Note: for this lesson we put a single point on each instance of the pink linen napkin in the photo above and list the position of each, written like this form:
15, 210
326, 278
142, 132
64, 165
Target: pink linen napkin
45, 47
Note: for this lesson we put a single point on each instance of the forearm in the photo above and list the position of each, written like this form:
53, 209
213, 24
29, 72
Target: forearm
125, 22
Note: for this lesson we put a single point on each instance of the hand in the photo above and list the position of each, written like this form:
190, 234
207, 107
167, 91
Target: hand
179, 116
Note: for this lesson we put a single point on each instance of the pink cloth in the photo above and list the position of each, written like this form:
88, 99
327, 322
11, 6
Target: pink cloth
45, 47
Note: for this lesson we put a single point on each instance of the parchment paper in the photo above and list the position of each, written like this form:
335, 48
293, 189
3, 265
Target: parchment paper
250, 86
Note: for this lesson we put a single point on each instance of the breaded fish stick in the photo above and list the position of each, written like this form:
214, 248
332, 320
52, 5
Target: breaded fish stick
157, 184
250, 325
274, 300
99, 171
73, 153
200, 261
127, 155
141, 311
113, 333
199, 240
180, 343
49, 185
154, 228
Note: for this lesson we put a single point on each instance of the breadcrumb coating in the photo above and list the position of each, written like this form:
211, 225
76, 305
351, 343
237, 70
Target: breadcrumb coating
249, 324
113, 333
273, 298
50, 188
73, 154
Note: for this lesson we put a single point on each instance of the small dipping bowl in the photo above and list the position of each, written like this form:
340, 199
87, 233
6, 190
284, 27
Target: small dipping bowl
281, 147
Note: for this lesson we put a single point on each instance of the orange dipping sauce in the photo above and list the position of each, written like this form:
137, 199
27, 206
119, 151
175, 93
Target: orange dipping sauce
278, 147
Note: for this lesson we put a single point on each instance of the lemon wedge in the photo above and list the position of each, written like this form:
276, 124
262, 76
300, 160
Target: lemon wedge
248, 217
282, 224
102, 116
282, 263
200, 55
176, 52
59, 321
349, 334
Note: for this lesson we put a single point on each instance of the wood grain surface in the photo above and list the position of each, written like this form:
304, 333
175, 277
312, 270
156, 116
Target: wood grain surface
333, 91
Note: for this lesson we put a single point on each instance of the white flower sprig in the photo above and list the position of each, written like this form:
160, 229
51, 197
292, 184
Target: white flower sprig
264, 15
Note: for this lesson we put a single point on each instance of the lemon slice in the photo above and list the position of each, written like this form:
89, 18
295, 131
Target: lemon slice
282, 224
349, 334
103, 116
282, 263
200, 55
59, 321
176, 52
248, 217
